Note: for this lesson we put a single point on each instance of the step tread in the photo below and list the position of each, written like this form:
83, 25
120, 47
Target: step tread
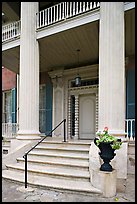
52, 183
52, 170
63, 148
59, 154
60, 161
82, 143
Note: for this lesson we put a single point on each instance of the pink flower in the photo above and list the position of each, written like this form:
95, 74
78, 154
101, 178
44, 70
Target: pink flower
105, 129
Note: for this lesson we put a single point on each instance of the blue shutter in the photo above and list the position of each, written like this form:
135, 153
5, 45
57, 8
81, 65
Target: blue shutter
14, 103
48, 107
130, 113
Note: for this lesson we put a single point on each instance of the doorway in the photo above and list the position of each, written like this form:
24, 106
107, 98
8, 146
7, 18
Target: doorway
87, 116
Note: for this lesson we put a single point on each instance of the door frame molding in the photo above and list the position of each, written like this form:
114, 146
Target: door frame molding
77, 91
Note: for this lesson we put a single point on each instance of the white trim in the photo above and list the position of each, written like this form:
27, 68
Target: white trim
129, 5
11, 43
69, 23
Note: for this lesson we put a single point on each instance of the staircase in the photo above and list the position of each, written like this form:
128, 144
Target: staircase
55, 165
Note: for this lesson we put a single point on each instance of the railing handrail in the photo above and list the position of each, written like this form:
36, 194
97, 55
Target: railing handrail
25, 155
45, 137
13, 22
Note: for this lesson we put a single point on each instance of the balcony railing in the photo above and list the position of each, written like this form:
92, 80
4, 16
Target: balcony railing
63, 11
130, 129
51, 15
9, 130
10, 31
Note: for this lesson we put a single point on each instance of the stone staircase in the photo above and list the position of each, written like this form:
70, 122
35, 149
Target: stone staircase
55, 165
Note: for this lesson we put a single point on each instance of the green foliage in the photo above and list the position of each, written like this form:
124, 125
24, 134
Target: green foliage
105, 137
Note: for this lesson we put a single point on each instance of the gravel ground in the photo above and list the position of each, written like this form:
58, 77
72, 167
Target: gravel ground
15, 192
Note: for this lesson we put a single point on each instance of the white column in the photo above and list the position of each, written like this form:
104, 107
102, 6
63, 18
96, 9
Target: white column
112, 68
29, 74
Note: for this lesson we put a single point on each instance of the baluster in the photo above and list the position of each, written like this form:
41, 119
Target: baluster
51, 15
74, 8
127, 130
71, 8
60, 11
46, 17
54, 14
84, 6
97, 4
40, 19
67, 7
13, 29
77, 7
57, 16
94, 4
64, 10
80, 7
43, 18
131, 134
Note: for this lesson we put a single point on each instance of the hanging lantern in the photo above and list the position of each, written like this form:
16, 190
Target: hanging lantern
78, 78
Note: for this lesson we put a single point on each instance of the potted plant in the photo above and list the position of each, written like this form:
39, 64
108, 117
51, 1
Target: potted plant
107, 144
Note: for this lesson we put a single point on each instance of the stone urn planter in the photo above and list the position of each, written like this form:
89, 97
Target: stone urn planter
107, 145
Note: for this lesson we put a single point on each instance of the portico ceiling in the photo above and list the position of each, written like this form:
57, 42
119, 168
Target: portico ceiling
59, 50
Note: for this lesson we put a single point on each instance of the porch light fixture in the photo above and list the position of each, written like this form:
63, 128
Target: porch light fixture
78, 78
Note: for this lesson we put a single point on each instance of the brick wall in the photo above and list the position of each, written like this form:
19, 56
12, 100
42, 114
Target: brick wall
8, 79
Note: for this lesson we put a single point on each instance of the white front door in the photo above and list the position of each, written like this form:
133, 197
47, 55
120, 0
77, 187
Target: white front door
87, 116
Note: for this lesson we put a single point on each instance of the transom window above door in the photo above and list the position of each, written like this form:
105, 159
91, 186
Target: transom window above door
85, 82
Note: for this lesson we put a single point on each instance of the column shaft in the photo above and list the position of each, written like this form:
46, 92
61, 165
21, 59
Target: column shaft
29, 73
111, 67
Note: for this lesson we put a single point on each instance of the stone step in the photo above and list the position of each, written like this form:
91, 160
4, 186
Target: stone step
69, 163
53, 171
57, 150
70, 142
60, 139
55, 165
59, 154
82, 187
66, 147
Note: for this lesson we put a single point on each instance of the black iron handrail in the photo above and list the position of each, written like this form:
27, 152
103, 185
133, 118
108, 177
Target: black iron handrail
49, 134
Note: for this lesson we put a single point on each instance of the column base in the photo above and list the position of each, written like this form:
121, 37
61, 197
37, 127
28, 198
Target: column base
28, 135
